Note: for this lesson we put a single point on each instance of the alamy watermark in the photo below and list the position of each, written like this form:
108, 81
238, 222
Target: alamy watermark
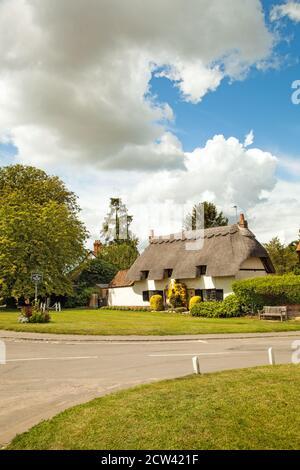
296, 94
2, 353
166, 216
296, 353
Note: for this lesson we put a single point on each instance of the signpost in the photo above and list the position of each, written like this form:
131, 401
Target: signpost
36, 278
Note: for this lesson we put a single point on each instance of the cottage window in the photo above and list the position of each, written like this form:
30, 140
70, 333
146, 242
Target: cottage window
144, 275
146, 296
168, 272
156, 292
212, 295
200, 270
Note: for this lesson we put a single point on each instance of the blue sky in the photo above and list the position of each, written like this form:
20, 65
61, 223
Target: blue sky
261, 102
92, 109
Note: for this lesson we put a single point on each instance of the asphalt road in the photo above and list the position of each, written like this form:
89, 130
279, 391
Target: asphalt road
41, 378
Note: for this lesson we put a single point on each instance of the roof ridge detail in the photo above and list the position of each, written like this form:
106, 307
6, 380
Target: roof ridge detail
196, 234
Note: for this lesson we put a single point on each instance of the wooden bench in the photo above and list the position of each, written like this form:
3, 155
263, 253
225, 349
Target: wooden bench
274, 312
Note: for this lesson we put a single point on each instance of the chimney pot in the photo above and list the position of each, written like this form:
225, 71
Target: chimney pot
243, 222
151, 235
97, 247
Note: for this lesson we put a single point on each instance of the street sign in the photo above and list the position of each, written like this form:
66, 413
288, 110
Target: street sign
36, 277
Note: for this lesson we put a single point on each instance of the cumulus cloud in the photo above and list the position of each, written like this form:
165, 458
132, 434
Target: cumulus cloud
75, 75
278, 215
289, 9
223, 168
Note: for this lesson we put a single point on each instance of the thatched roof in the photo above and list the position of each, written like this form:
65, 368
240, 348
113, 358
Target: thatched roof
120, 279
223, 252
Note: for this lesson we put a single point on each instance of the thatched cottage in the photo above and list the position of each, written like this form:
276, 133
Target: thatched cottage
219, 256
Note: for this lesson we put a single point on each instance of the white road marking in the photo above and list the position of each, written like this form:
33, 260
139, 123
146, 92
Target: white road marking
136, 343
111, 387
201, 354
109, 343
62, 358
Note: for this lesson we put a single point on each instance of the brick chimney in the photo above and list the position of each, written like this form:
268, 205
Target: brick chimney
298, 251
97, 247
151, 235
243, 222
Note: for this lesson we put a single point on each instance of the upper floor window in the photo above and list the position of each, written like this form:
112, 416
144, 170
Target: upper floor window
201, 270
168, 272
144, 275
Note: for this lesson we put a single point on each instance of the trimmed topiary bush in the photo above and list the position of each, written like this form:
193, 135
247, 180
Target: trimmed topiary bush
196, 299
156, 303
254, 293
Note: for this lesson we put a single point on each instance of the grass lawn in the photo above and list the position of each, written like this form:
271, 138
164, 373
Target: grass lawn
255, 408
113, 322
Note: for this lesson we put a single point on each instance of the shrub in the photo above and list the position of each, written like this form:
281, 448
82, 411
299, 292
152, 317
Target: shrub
196, 299
39, 317
230, 307
36, 315
156, 303
206, 309
80, 298
268, 290
177, 294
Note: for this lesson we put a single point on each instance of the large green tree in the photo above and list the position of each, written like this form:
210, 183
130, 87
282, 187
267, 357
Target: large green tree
96, 271
39, 232
284, 257
212, 218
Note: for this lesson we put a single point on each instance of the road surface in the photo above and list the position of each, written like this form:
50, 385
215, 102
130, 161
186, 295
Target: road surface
42, 377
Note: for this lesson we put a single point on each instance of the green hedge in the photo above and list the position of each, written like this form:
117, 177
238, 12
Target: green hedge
126, 309
268, 290
230, 307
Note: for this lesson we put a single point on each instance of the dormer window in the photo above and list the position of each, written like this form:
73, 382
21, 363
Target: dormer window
144, 275
200, 270
168, 272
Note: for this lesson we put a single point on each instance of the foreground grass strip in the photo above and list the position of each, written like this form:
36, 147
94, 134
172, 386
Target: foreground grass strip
255, 408
101, 322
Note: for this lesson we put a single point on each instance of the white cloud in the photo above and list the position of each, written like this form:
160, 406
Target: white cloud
76, 76
193, 79
289, 9
231, 173
278, 215
249, 139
